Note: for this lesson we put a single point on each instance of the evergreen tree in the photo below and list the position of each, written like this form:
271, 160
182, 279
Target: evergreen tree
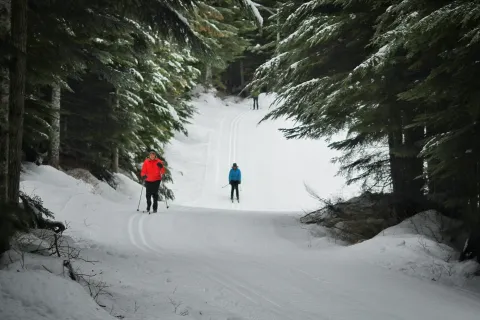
321, 43
441, 41
262, 42
219, 24
4, 98
17, 95
398, 76
60, 42
321, 72
108, 44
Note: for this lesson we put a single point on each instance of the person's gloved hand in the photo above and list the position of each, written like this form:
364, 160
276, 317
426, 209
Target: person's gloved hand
159, 165
239, 182
229, 182
144, 177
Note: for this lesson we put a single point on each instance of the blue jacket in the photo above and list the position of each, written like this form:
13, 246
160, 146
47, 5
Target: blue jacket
235, 175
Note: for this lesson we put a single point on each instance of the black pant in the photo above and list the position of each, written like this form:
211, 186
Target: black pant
152, 191
234, 185
255, 102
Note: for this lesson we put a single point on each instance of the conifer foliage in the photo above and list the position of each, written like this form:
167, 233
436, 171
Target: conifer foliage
220, 25
399, 77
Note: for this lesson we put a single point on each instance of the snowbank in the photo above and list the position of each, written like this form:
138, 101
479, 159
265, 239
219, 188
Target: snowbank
127, 187
416, 247
87, 205
94, 185
39, 295
38, 286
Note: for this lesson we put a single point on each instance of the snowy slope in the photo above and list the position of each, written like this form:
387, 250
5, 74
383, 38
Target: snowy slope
217, 264
214, 263
41, 295
274, 169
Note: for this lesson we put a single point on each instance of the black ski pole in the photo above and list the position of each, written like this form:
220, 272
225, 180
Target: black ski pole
141, 192
165, 195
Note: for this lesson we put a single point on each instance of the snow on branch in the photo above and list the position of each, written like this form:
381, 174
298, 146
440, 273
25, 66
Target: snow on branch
304, 85
250, 5
377, 58
272, 63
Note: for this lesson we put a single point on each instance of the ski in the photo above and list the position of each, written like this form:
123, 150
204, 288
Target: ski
149, 212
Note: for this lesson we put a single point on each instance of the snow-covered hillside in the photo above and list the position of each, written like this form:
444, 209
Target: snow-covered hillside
274, 169
214, 263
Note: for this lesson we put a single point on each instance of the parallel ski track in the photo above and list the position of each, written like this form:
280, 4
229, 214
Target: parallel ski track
207, 271
233, 142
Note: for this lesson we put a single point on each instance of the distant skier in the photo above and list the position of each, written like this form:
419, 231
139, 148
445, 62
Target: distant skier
152, 172
234, 178
255, 95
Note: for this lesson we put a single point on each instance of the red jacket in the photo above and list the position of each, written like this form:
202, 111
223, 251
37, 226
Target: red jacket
153, 169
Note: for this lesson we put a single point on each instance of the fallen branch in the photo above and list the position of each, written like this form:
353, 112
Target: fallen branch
71, 273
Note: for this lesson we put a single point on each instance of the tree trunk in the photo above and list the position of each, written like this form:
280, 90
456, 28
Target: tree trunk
242, 75
396, 169
208, 75
394, 143
439, 188
64, 120
115, 108
17, 96
4, 135
4, 102
413, 163
115, 160
54, 150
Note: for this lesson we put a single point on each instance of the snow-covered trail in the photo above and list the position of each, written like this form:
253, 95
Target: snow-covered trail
274, 169
258, 266
205, 259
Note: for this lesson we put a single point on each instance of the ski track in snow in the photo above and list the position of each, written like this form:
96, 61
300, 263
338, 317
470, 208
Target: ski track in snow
256, 283
218, 159
229, 279
207, 271
274, 169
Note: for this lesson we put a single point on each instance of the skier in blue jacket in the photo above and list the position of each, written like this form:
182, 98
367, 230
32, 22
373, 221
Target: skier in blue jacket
234, 178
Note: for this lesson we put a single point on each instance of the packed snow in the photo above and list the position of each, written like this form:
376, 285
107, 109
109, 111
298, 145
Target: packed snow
38, 294
204, 260
274, 169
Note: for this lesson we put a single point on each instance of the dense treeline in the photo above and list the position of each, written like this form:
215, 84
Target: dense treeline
399, 76
260, 44
95, 84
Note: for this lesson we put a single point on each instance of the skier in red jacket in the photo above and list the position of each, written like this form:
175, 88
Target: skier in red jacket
152, 172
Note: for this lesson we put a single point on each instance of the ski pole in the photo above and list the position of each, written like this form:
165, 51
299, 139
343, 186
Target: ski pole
225, 185
165, 195
141, 192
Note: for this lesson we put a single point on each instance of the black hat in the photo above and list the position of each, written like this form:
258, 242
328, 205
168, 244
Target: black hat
234, 164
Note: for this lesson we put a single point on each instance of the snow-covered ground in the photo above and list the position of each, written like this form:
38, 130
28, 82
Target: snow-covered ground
203, 259
274, 169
